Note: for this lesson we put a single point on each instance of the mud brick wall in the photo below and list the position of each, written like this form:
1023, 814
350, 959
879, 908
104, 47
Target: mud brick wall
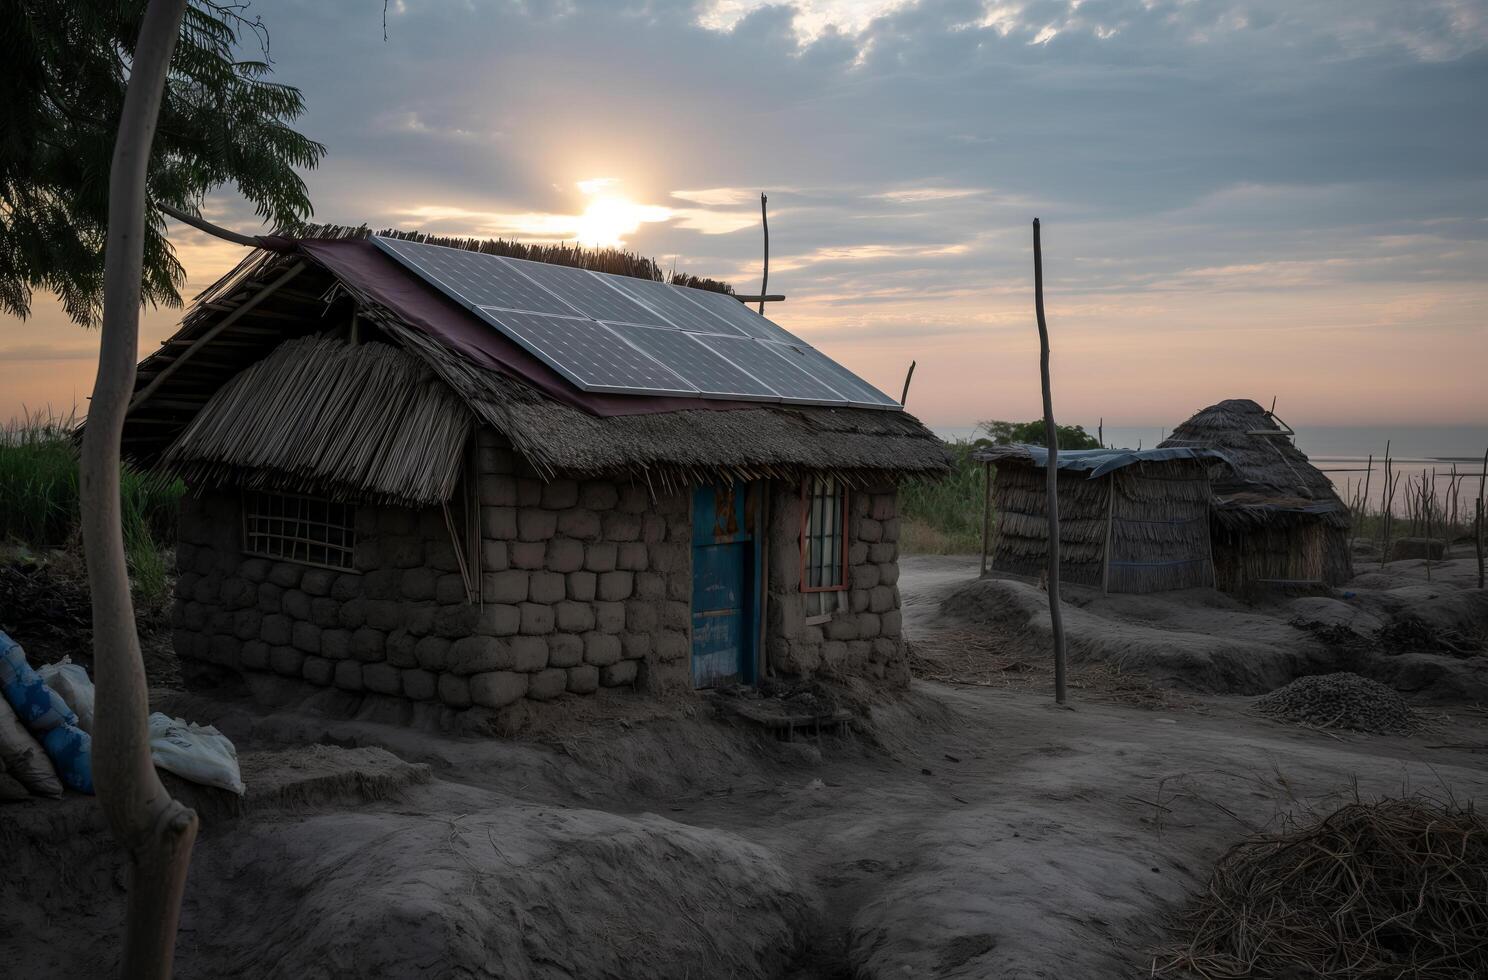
864, 639
586, 584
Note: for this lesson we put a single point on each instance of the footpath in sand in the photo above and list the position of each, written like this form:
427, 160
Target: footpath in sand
969, 830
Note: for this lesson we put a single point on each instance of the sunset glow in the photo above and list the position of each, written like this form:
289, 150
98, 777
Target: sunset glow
611, 217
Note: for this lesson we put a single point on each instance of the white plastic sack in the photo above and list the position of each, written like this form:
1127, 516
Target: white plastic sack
199, 753
71, 681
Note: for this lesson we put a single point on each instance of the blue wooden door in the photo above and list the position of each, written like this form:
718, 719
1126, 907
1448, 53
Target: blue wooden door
725, 584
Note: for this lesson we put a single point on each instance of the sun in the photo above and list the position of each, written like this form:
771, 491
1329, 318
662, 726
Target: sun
610, 217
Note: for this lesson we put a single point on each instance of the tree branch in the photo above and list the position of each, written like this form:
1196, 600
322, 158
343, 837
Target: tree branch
202, 224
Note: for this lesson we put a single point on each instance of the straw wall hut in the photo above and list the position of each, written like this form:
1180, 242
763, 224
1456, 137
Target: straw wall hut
390, 496
1277, 519
1129, 521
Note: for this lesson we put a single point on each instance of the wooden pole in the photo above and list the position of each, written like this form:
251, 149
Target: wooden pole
1051, 441
904, 396
1482, 482
986, 512
1100, 432
765, 280
155, 831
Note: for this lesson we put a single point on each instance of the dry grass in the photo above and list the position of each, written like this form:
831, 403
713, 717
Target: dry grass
1397, 888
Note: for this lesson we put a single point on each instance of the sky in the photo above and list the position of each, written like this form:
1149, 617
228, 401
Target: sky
1239, 199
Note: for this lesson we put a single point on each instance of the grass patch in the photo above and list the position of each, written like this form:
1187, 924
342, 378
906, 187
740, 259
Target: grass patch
39, 503
944, 517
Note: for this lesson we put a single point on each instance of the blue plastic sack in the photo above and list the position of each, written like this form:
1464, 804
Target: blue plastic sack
71, 751
43, 711
38, 706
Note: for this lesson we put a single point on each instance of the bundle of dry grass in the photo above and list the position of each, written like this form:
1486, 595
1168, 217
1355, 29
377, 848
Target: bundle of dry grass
1341, 700
1396, 888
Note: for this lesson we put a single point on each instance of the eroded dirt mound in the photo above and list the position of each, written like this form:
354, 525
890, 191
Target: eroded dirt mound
480, 886
1341, 700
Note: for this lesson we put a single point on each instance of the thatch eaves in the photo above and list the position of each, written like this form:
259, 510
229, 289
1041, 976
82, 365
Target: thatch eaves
368, 421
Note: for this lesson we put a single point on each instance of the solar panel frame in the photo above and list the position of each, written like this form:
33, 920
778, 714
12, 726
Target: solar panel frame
588, 293
854, 389
445, 267
714, 375
795, 385
586, 352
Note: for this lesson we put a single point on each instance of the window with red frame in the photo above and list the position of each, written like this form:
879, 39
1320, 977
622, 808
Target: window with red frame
823, 535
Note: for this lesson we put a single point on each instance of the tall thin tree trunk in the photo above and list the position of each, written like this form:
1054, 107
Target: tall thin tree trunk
1051, 441
156, 832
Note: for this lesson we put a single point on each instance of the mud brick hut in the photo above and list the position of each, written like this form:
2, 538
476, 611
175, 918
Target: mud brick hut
1277, 520
1129, 520
451, 476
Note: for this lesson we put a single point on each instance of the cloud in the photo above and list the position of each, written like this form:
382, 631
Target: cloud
1209, 173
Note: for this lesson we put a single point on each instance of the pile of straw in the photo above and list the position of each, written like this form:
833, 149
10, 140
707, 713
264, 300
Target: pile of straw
1397, 888
1341, 700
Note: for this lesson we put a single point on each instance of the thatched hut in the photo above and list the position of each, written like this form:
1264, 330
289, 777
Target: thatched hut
390, 495
1277, 519
1129, 520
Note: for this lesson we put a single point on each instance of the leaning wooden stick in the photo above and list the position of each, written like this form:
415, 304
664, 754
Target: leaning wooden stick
1051, 441
904, 397
765, 279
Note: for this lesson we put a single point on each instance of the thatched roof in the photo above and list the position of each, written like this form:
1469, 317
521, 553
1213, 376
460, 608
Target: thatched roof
1269, 478
240, 321
368, 420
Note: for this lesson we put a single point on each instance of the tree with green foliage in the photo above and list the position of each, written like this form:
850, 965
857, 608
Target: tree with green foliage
109, 111
1032, 434
63, 74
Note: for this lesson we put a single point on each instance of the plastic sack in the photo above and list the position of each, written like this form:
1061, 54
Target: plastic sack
71, 681
24, 757
199, 753
43, 711
38, 706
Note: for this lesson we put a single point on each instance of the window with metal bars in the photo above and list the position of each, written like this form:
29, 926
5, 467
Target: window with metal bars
823, 535
299, 528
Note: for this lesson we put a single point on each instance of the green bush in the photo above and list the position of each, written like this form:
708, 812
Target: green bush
39, 504
945, 516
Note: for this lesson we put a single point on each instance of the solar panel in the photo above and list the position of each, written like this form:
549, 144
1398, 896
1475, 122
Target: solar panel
474, 278
741, 316
685, 354
589, 293
587, 353
636, 336
793, 383
820, 366
670, 302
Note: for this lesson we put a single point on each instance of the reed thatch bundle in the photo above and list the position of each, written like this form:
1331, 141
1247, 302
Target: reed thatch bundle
319, 414
1141, 528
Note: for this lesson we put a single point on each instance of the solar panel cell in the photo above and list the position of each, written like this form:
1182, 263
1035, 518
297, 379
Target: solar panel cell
793, 383
589, 354
740, 316
588, 292
686, 354
820, 366
672, 304
474, 278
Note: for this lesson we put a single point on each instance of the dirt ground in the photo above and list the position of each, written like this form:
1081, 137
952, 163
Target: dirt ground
969, 829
